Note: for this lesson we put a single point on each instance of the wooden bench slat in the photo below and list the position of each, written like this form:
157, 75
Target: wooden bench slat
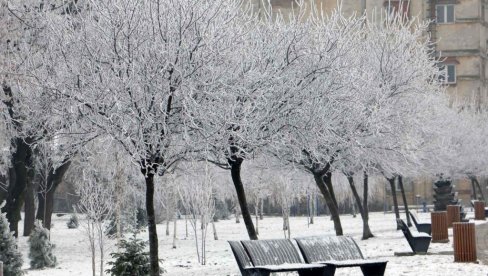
336, 252
316, 249
272, 252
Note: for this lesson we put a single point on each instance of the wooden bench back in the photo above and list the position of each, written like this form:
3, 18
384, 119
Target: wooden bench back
243, 260
414, 217
272, 252
406, 231
327, 248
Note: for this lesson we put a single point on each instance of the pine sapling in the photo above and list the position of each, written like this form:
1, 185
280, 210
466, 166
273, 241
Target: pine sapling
9, 252
40, 248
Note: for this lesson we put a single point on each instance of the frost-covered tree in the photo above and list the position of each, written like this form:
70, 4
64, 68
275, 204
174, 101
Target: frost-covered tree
404, 107
326, 118
33, 119
124, 69
239, 116
9, 252
40, 248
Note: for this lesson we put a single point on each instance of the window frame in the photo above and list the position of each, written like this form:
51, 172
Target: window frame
445, 6
445, 66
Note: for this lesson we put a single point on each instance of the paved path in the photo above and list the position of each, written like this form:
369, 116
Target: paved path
482, 242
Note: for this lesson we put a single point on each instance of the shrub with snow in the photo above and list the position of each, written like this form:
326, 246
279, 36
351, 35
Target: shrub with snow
9, 252
132, 260
40, 248
73, 222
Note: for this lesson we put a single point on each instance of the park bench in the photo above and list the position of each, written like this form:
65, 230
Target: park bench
337, 252
424, 227
418, 241
262, 257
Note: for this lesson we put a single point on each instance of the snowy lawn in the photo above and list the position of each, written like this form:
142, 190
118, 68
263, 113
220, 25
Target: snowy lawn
74, 257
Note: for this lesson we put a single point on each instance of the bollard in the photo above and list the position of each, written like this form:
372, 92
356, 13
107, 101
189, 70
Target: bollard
479, 210
1, 268
453, 214
439, 227
464, 236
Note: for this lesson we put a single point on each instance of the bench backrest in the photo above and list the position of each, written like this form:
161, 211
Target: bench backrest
243, 260
272, 252
406, 231
413, 216
327, 248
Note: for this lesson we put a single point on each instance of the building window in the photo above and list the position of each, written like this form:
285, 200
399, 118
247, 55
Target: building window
448, 73
444, 14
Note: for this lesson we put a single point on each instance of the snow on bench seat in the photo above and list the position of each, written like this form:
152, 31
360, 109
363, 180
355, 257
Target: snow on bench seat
419, 234
288, 267
348, 263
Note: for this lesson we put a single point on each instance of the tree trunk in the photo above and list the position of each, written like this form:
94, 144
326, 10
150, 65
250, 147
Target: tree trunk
241, 196
362, 211
174, 234
167, 226
334, 212
404, 198
45, 210
237, 216
261, 209
365, 207
41, 205
312, 207
3, 186
18, 178
151, 225
393, 194
328, 182
214, 231
256, 210
186, 226
29, 208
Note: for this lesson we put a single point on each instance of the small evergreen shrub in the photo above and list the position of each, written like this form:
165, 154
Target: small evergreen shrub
111, 229
141, 218
221, 211
40, 248
73, 222
132, 260
9, 252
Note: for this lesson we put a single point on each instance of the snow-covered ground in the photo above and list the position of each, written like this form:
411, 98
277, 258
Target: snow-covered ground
74, 257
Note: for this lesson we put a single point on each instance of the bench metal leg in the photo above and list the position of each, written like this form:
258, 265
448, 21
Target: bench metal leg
330, 270
373, 269
260, 273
